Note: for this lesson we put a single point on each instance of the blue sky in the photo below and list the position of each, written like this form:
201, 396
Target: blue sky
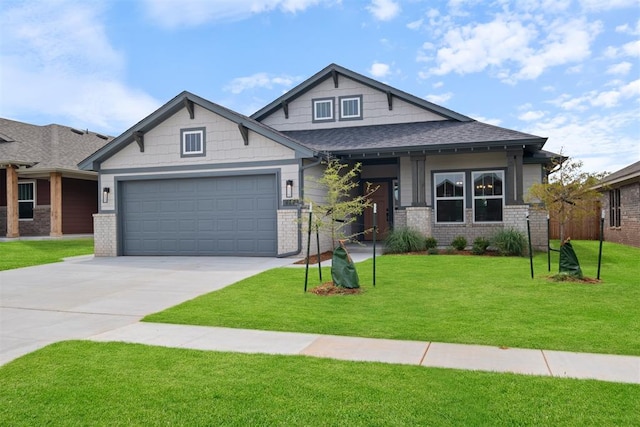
562, 69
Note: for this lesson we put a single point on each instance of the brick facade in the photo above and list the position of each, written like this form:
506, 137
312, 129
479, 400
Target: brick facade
629, 231
515, 216
105, 236
288, 226
419, 218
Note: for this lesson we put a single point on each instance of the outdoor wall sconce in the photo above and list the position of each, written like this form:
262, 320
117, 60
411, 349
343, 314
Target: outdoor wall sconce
289, 189
105, 194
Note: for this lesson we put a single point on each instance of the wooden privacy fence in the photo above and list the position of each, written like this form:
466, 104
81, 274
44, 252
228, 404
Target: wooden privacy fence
586, 228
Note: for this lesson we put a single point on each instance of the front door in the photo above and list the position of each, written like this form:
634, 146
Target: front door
381, 199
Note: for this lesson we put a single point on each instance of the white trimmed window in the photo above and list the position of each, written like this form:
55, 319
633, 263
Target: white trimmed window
322, 109
192, 142
350, 107
488, 196
449, 200
26, 200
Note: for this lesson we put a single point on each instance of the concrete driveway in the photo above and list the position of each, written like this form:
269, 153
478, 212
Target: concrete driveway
85, 296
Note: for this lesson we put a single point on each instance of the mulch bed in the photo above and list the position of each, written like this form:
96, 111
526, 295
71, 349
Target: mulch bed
328, 289
566, 278
313, 259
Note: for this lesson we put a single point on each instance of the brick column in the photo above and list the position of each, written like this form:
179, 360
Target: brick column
105, 242
13, 228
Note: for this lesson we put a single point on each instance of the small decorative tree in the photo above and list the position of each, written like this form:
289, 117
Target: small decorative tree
341, 207
569, 192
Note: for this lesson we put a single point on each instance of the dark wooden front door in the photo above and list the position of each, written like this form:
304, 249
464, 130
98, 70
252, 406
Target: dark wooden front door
381, 199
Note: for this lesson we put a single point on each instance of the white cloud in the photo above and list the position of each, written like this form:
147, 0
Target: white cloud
439, 99
379, 70
627, 29
604, 5
622, 68
480, 118
58, 62
511, 47
602, 99
384, 10
260, 80
415, 24
192, 13
437, 85
567, 42
473, 48
531, 116
600, 141
631, 49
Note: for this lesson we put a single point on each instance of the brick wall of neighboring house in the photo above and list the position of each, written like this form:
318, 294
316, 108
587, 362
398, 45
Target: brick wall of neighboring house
629, 231
40, 225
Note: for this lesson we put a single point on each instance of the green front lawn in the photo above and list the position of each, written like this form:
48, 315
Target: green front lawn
445, 298
115, 384
26, 253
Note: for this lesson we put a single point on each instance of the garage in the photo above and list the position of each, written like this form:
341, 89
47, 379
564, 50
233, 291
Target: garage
213, 216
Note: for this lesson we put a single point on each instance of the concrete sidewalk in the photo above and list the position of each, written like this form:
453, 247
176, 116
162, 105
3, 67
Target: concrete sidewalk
603, 367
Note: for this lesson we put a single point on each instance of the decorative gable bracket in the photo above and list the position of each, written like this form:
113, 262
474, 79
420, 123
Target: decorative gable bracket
390, 100
285, 108
188, 104
244, 131
138, 136
334, 74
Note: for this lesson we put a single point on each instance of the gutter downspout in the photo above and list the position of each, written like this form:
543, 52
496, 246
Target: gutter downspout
299, 208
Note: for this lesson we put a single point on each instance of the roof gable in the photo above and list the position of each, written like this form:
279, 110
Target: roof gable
187, 100
334, 71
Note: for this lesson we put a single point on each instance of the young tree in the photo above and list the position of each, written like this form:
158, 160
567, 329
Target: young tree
341, 207
568, 193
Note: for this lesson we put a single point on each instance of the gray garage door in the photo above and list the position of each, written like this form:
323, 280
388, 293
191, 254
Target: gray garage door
200, 216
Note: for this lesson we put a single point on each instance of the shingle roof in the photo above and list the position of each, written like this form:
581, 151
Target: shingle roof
46, 147
629, 172
433, 135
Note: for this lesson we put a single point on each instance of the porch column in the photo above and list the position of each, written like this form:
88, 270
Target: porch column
418, 180
13, 229
55, 186
514, 177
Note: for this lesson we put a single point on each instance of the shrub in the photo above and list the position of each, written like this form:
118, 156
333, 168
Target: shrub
510, 242
402, 240
430, 243
433, 251
459, 243
480, 245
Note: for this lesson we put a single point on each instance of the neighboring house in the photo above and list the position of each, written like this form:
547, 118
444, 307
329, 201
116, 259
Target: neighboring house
42, 190
621, 205
195, 178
